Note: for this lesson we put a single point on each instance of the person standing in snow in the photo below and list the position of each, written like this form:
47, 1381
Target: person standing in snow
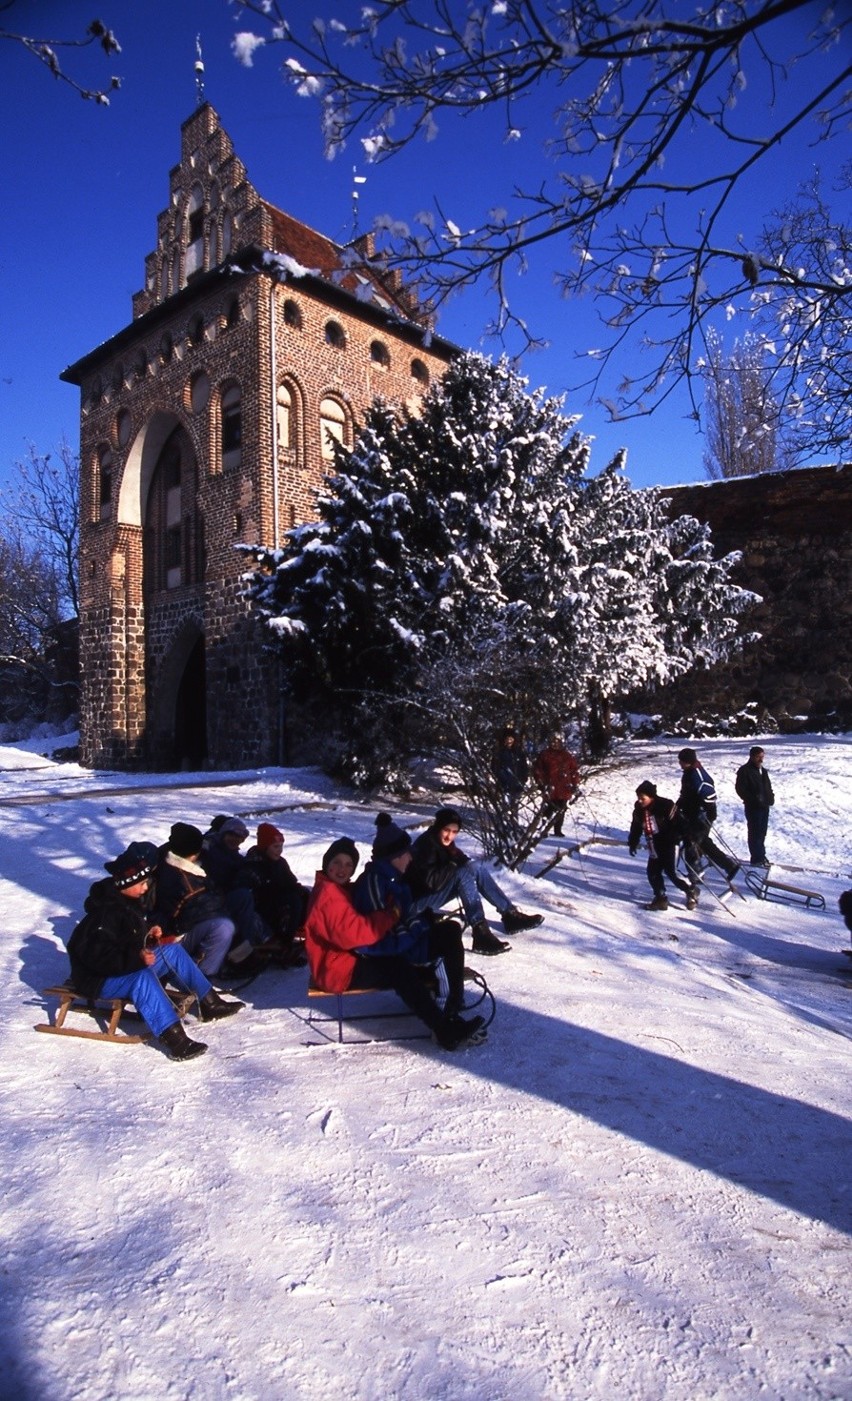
114, 953
655, 819
697, 808
440, 872
754, 787
557, 774
511, 768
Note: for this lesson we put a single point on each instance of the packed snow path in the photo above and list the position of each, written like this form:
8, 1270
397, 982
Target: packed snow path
638, 1188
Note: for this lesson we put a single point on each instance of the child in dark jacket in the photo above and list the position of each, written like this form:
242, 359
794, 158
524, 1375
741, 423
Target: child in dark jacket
654, 818
114, 953
281, 900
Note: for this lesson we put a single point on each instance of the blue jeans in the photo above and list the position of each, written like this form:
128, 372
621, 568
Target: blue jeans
145, 990
211, 938
757, 821
471, 883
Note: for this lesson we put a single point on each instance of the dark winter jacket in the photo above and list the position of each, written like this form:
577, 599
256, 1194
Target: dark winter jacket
697, 801
381, 886
511, 769
185, 895
226, 868
109, 940
432, 863
279, 897
753, 786
658, 823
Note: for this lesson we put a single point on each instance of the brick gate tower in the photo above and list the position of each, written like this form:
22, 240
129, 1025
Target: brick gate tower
206, 422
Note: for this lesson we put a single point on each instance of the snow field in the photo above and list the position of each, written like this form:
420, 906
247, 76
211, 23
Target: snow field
638, 1187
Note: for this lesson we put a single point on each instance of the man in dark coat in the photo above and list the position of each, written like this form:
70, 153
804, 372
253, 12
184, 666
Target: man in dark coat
753, 786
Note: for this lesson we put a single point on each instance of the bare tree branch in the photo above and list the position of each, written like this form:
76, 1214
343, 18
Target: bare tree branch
657, 121
47, 51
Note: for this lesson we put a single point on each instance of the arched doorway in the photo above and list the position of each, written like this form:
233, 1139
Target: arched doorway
190, 728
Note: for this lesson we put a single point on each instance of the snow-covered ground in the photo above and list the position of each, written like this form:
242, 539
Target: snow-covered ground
639, 1187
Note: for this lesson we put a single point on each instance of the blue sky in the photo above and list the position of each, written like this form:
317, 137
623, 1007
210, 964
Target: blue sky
87, 183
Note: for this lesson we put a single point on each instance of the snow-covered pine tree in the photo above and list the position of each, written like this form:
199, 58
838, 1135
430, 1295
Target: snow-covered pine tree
465, 573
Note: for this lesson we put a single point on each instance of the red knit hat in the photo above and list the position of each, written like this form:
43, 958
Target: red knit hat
267, 835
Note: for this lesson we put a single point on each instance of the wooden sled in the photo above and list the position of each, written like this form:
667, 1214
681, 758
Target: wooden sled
766, 889
107, 1012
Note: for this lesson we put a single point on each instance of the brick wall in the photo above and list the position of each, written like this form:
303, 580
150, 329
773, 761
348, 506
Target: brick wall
794, 530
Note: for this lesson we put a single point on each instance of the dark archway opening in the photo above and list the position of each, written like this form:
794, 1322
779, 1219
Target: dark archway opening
191, 712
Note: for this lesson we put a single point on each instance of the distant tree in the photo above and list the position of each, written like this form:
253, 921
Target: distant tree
614, 101
50, 52
741, 418
464, 573
39, 589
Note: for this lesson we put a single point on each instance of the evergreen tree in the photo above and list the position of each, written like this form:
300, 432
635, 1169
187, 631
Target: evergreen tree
465, 573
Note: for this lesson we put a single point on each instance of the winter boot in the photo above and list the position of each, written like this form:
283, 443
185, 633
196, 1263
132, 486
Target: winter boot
178, 1044
213, 1007
515, 920
692, 897
659, 902
485, 942
455, 1032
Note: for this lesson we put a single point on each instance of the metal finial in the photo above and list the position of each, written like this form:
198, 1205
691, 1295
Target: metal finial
356, 180
199, 70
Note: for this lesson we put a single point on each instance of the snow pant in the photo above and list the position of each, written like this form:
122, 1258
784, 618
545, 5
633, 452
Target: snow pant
699, 843
145, 990
471, 883
439, 946
406, 980
209, 941
757, 821
661, 862
240, 905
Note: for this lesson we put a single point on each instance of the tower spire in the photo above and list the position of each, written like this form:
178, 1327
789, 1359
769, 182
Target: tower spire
199, 70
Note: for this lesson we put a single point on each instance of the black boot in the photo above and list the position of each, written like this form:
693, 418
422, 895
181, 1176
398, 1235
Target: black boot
455, 1032
515, 920
212, 1007
178, 1044
485, 942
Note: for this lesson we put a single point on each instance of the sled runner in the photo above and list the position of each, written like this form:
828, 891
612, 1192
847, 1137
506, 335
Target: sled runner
766, 889
107, 1012
482, 993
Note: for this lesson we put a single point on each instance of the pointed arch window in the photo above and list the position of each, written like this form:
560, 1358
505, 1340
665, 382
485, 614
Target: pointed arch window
333, 426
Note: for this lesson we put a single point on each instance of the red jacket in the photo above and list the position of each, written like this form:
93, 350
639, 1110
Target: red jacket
333, 927
557, 773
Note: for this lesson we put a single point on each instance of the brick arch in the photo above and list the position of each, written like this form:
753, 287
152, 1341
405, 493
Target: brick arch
142, 460
180, 692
